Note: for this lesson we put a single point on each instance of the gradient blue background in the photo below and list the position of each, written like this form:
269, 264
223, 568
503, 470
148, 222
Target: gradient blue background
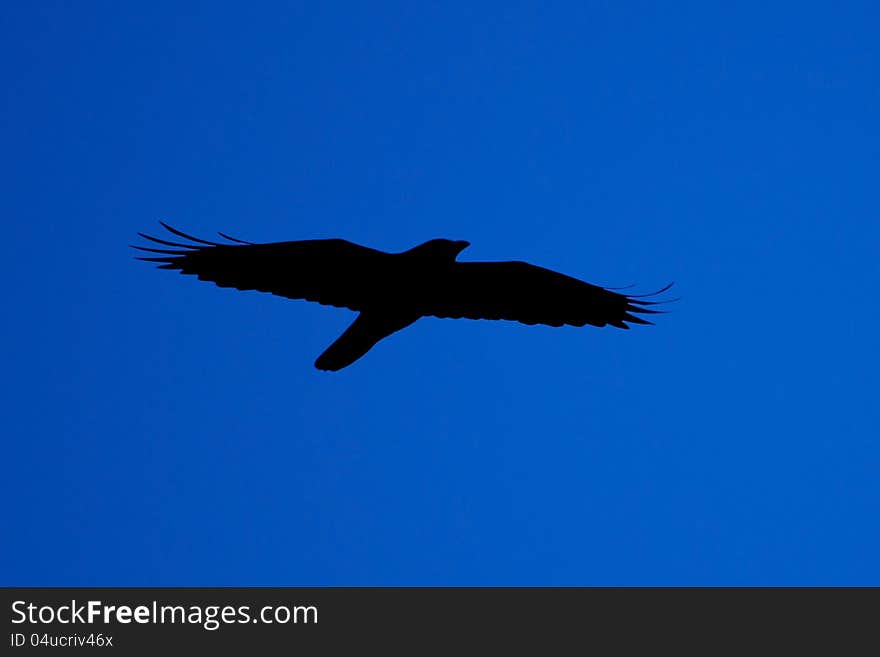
161, 431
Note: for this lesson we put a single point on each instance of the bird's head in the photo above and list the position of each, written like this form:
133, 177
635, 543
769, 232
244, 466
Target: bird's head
439, 249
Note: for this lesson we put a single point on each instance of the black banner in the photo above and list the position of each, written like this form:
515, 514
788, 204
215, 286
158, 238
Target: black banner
135, 620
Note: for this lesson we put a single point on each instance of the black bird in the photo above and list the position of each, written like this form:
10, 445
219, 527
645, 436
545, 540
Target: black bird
393, 290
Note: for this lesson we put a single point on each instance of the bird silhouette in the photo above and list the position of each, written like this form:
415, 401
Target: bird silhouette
390, 291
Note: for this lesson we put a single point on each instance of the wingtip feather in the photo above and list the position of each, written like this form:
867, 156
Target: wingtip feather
189, 237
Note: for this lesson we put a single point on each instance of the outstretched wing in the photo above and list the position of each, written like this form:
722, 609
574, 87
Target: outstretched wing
530, 294
333, 272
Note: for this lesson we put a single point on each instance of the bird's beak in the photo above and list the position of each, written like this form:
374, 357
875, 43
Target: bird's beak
462, 245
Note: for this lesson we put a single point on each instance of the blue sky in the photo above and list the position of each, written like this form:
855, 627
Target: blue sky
162, 431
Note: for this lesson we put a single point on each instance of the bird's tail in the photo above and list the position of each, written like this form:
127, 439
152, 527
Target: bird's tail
359, 338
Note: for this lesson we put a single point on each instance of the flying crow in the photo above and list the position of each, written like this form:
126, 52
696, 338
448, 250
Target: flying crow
390, 291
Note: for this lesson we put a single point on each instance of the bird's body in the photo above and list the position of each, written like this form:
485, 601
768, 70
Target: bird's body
393, 290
